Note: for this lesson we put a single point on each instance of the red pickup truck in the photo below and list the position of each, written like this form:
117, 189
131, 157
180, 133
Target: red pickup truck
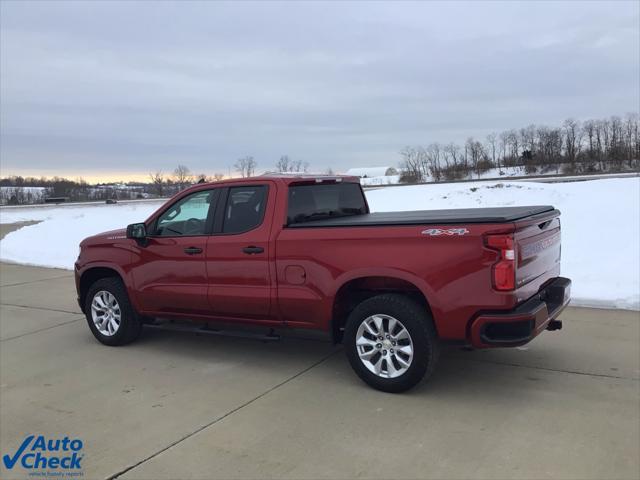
304, 252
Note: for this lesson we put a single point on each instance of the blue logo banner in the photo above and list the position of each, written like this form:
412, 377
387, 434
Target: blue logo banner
57, 456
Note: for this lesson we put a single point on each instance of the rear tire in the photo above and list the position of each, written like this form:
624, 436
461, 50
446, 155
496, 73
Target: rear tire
109, 313
391, 342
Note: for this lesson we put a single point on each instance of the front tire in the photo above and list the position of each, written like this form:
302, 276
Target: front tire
391, 342
109, 313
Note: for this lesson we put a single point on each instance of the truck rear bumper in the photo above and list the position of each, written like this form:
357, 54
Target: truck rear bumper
524, 323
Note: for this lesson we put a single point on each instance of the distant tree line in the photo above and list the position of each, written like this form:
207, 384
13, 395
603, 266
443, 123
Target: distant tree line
162, 185
18, 190
592, 146
288, 165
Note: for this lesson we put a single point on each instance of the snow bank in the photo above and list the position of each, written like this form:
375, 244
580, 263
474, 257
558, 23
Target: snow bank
600, 228
502, 173
54, 241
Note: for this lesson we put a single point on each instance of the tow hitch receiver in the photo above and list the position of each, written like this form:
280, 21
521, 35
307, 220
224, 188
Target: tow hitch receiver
554, 325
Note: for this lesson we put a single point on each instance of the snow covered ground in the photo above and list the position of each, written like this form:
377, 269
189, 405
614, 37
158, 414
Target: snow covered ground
600, 228
383, 180
493, 173
54, 241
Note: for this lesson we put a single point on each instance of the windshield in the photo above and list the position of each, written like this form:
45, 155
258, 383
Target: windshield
314, 202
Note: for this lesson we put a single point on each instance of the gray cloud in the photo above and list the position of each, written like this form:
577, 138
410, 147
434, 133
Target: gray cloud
131, 87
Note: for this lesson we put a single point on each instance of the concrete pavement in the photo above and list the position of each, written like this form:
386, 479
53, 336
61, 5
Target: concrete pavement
177, 405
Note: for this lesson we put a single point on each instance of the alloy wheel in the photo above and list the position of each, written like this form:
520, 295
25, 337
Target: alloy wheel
384, 345
105, 313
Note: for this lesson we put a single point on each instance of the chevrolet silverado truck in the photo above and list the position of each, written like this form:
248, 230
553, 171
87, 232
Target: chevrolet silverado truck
289, 251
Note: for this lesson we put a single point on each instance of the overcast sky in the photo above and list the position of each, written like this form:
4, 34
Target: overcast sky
123, 88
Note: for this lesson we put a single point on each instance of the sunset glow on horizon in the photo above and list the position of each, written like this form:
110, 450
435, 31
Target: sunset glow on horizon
92, 177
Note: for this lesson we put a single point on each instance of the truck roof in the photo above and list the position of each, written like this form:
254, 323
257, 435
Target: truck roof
289, 178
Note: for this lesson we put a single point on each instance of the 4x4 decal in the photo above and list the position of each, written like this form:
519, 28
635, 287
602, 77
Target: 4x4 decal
434, 232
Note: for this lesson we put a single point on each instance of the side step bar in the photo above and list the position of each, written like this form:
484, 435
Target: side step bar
206, 330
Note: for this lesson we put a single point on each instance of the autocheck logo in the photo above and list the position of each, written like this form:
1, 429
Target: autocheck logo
56, 455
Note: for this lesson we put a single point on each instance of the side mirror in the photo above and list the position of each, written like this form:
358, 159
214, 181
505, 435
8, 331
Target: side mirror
137, 231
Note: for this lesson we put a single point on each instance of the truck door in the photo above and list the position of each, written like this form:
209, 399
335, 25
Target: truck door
238, 265
170, 273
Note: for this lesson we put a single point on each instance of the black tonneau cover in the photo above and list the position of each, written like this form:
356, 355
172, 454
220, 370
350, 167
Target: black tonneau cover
423, 217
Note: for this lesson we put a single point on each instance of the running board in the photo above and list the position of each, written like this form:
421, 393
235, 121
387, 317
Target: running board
204, 330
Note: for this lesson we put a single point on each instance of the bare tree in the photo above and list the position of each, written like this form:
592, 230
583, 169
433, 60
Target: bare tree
412, 164
434, 153
573, 140
504, 144
454, 167
630, 126
300, 166
218, 176
285, 165
492, 142
453, 151
476, 153
157, 179
589, 129
514, 145
616, 151
245, 166
528, 137
635, 119
282, 165
182, 176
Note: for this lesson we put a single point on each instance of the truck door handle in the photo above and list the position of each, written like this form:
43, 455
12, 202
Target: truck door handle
192, 250
252, 250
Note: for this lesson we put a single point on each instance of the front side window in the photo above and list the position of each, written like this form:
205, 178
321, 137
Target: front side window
245, 208
187, 216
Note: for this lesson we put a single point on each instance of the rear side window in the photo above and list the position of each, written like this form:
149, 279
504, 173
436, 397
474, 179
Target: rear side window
318, 201
245, 208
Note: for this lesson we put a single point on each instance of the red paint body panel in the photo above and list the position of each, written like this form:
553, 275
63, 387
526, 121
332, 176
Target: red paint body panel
240, 285
294, 282
168, 281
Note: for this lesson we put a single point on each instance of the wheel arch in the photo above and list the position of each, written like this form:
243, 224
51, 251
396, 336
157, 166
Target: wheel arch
91, 275
355, 290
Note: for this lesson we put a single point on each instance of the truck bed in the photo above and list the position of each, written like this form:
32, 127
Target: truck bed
424, 217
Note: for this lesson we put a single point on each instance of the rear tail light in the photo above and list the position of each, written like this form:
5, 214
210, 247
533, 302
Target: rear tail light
504, 270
